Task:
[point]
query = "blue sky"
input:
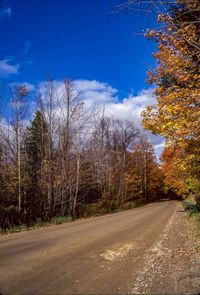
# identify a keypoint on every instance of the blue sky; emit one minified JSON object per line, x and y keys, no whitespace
{"x":75,"y":38}
{"x":106,"y":55}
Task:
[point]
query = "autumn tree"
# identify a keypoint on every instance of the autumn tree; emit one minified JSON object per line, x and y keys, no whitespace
{"x":176,"y":112}
{"x":173,"y":162}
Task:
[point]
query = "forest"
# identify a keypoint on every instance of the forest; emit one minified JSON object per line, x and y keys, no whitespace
{"x":66,"y":160}
{"x":70,"y":161}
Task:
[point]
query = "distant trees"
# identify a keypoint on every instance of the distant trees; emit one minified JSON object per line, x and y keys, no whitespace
{"x":67,"y":160}
{"x":151,"y":179}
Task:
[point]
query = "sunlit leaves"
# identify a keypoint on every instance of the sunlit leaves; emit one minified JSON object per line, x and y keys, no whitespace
{"x":176,"y":115}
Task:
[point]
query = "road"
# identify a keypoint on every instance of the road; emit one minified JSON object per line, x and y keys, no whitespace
{"x":143,"y":250}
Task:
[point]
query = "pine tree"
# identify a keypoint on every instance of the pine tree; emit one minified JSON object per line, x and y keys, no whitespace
{"x":35,"y":150}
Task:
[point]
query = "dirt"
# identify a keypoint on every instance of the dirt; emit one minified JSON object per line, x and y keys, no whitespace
{"x":172,"y":264}
{"x":147,"y":250}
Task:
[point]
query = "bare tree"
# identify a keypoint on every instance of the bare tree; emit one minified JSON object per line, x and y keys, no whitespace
{"x":127,"y":134}
{"x":47,"y":106}
{"x":18,"y":104}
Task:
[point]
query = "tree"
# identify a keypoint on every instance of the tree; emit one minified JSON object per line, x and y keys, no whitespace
{"x":126,"y":133}
{"x":176,"y":113}
{"x":36,"y":137}
{"x":18,"y":116}
{"x":147,"y":169}
{"x":70,"y":128}
{"x":48,"y":107}
{"x":184,"y":13}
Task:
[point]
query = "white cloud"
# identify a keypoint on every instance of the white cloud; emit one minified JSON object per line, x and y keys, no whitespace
{"x":94,"y":85}
{"x":102,"y":95}
{"x":6,"y":12}
{"x":95,"y":92}
{"x":131,"y":107}
{"x":6,"y":68}
{"x":158,"y":143}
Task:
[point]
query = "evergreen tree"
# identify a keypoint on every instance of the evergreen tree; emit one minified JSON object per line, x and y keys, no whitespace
{"x":35,"y":150}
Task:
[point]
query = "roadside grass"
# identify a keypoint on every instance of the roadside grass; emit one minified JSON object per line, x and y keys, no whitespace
{"x":105,"y":207}
{"x":61,"y":219}
{"x":194,"y":215}
{"x":23,"y":227}
{"x":190,"y":208}
{"x":85,"y":211}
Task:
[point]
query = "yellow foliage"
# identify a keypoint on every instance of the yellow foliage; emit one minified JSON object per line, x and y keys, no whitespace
{"x":176,"y":115}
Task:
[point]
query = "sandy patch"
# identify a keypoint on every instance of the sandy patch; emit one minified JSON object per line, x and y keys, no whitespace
{"x":119,"y":253}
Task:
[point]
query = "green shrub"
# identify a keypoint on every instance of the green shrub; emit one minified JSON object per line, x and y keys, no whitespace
{"x":60,"y":219}
{"x":190,"y":207}
{"x":9,"y":217}
{"x":198,"y":202}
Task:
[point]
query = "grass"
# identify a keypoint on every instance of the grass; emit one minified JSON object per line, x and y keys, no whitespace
{"x":96,"y":209}
{"x":23,"y":227}
{"x":190,"y":208}
{"x":194,"y":215}
{"x":61,"y":219}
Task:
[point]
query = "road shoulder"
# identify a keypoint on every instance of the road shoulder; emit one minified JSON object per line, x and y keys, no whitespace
{"x":172,"y":265}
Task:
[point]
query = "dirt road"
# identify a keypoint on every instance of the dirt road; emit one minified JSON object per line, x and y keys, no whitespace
{"x":144,"y":250}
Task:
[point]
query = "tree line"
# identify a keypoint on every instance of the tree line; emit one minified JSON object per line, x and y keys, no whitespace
{"x":67,"y":160}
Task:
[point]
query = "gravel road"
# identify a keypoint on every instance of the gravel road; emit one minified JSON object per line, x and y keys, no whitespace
{"x":144,"y":250}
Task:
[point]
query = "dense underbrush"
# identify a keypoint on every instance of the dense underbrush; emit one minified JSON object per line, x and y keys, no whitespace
{"x":12,"y":221}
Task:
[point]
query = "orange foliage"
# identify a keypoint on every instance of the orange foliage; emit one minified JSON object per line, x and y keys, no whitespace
{"x":177,"y":110}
